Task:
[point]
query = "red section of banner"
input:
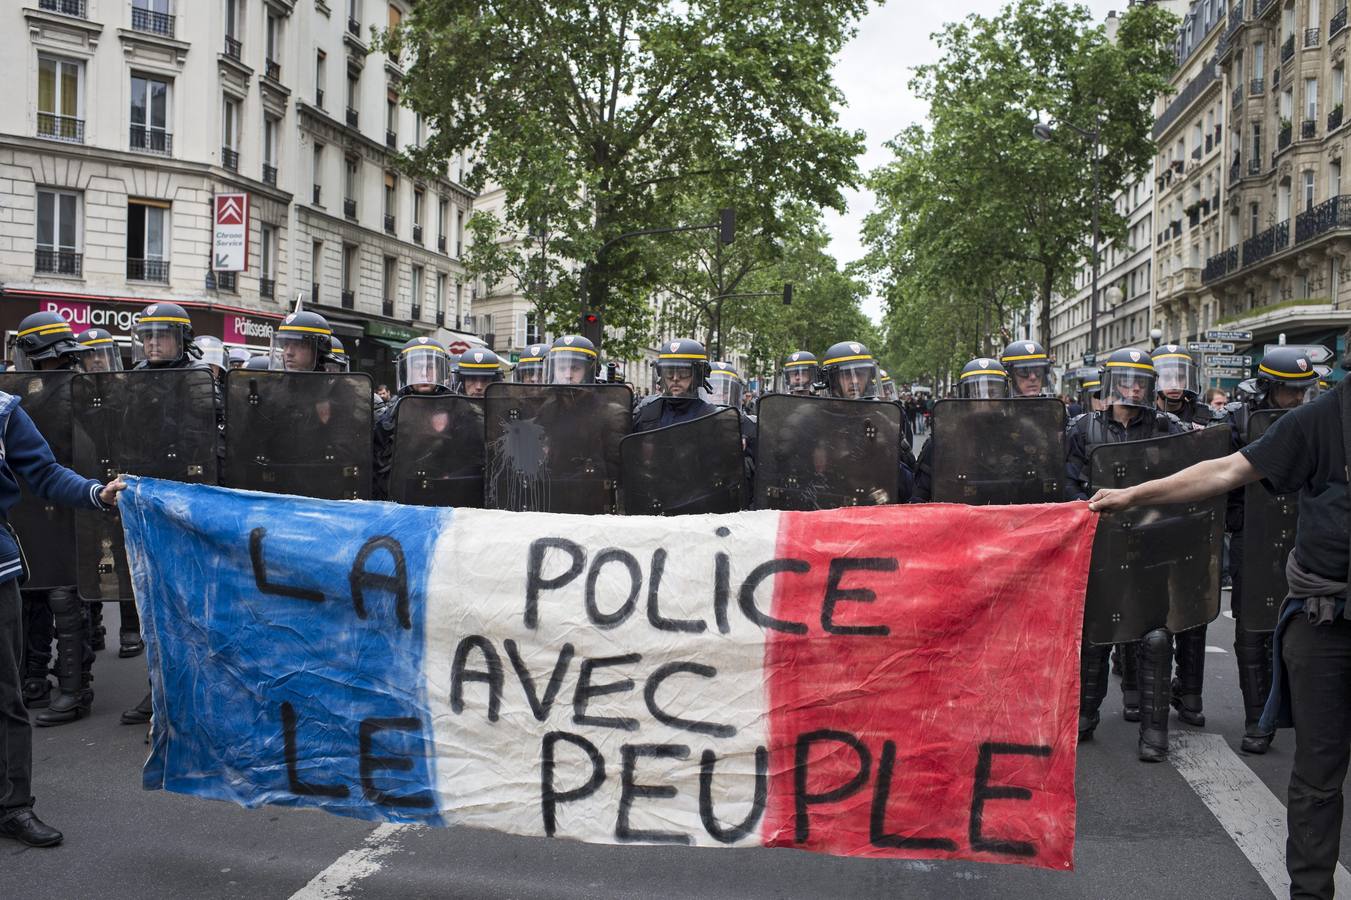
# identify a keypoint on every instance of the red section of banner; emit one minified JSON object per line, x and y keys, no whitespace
{"x":970,"y":751}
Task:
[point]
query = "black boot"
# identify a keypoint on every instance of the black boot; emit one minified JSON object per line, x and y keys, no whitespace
{"x":1130,"y":681}
{"x":1190,"y":653}
{"x":37,"y":693}
{"x":75,"y":697}
{"x":129,"y":635}
{"x":1253,"y":651}
{"x":138,"y":714}
{"x":98,"y":633}
{"x":1156,"y":664}
{"x":1093,"y":667}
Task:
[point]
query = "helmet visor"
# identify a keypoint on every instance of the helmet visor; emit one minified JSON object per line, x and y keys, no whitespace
{"x":529,"y":371}
{"x":724,"y":389}
{"x":156,"y":342}
{"x":294,"y":351}
{"x":983,"y":387}
{"x":213,"y":351}
{"x":799,"y":378}
{"x":425,"y":367}
{"x":571,"y":365}
{"x":1176,"y":372}
{"x":1032,"y":379}
{"x":677,"y":378}
{"x":1126,"y":386}
{"x":854,"y":380}
{"x":101,"y":355}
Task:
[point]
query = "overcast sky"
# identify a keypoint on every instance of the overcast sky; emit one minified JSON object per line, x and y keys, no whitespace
{"x":873,"y":72}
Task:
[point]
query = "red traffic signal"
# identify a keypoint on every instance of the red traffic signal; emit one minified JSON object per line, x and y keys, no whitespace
{"x":591,"y":327}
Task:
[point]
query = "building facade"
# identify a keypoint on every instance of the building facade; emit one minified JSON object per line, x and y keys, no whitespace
{"x":124,"y":119}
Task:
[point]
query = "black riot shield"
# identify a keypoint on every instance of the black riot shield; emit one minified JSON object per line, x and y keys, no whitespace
{"x":690,"y":468}
{"x":820,"y":453}
{"x":1159,"y":565}
{"x":302,"y":433}
{"x":1268,"y":536}
{"x":46,"y":531}
{"x":438,"y":451}
{"x":998,"y":451}
{"x":554,"y":448}
{"x":155,"y":422}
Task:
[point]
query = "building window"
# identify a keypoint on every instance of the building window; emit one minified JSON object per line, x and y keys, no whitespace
{"x":318,"y":172}
{"x":272,"y":33}
{"x":418,"y":198}
{"x":147,"y":246}
{"x":441,"y":297}
{"x":353,"y":96}
{"x":316,"y":267}
{"x":230,"y":134}
{"x":232,"y":26}
{"x":320,"y":64}
{"x":270,"y":150}
{"x":150,"y":115}
{"x":349,"y":267}
{"x":353,"y":180}
{"x":417,"y":292}
{"x":1308,"y":190}
{"x":391,"y":118}
{"x":1259,"y":60}
{"x":1335,"y":178}
{"x":387,"y":283}
{"x":391,"y":200}
{"x":267,"y":249}
{"x":1311,"y":98}
{"x":58,"y":233}
{"x":60,"y":99}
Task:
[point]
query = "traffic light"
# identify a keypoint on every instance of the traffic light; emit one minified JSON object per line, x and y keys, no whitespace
{"x":591,"y":327}
{"x":788,"y":293}
{"x":726,"y":226}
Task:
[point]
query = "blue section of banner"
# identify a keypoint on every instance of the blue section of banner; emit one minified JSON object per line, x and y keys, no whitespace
{"x":285,"y":643}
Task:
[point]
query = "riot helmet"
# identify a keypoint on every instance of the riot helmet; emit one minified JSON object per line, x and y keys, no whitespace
{"x":301,"y":342}
{"x":213,"y":353}
{"x":45,"y":340}
{"x":1128,"y":379}
{"x":1176,"y":374}
{"x":530,"y":367}
{"x":162,"y":336}
{"x":1284,"y":377}
{"x":887,"y":387}
{"x":477,"y":368}
{"x":1029,"y":369}
{"x":724,"y":385}
{"x":681,"y":369}
{"x":983,"y":378}
{"x":849,"y":371}
{"x":261,"y":362}
{"x":336,"y":360}
{"x":572,"y":360}
{"x":239,"y":356}
{"x":799,"y":374}
{"x":423,"y":367}
{"x":103,"y":354}
{"x":1090,"y":391}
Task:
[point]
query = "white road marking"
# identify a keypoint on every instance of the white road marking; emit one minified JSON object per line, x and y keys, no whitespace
{"x":1242,"y":803}
{"x":1227,"y":614}
{"x":360,"y":862}
{"x":1219,"y":650}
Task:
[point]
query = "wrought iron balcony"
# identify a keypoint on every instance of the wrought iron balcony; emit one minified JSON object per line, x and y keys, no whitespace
{"x":1235,"y":172}
{"x":1308,"y":129}
{"x":417,"y":234}
{"x":391,"y":139}
{"x":1331,"y":214}
{"x":233,"y":49}
{"x":61,"y":128}
{"x":441,"y":243}
{"x":1261,"y":7}
{"x":148,"y":270}
{"x":319,"y":97}
{"x":269,"y":174}
{"x":1255,"y":164}
{"x":349,"y":300}
{"x":1338,"y":21}
{"x":151,"y":140}
{"x":1283,"y":137}
{"x":1311,"y":36}
{"x":65,"y":7}
{"x":229,"y":158}
{"x":1256,"y":86}
{"x":314,"y":292}
{"x":389,"y":223}
{"x":1288,"y":49}
{"x":1260,"y":246}
{"x":1210,"y":142}
{"x":1335,"y":118}
{"x":272,"y":70}
{"x":222,"y":281}
{"x":318,"y":191}
{"x":152,"y":22}
{"x":1194,"y":217}
{"x":353,"y":27}
{"x":1220,"y":264}
{"x":58,"y":262}
{"x":1196,"y":152}
{"x":417,"y":311}
{"x":387,"y":307}
{"x":459,"y":249}
{"x":267,"y":288}
{"x":349,"y":208}
{"x":1236,"y":99}
{"x":351,"y":117}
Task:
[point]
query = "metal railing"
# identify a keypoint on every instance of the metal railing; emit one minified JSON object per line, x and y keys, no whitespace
{"x":417,"y":311}
{"x":1235,"y":171}
{"x":229,"y":158}
{"x":319,"y":97}
{"x":267,"y":288}
{"x":1288,"y":49}
{"x":1255,"y":164}
{"x":1335,"y":118}
{"x":349,"y":208}
{"x":391,"y":139}
{"x":233,"y":48}
{"x":441,"y":243}
{"x":1308,"y":129}
{"x":1196,"y":152}
{"x":1256,"y":86}
{"x":353,"y":27}
{"x":65,"y":7}
{"x":61,"y":128}
{"x":318,"y":191}
{"x":387,"y":307}
{"x":152,"y":22}
{"x":351,"y":117}
{"x":1311,"y":36}
{"x":1236,"y":100}
{"x":272,"y":70}
{"x":222,"y":281}
{"x":1220,"y":264}
{"x":269,"y":174}
{"x":148,"y":270}
{"x":1338,"y":21}
{"x":1326,"y":216}
{"x":58,"y":262}
{"x":349,"y":300}
{"x":417,"y":234}
{"x":389,"y":223}
{"x":151,"y":140}
{"x":1260,"y":246}
{"x":1283,"y":137}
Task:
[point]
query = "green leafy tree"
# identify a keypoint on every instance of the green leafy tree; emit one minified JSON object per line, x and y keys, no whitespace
{"x":585,"y":113}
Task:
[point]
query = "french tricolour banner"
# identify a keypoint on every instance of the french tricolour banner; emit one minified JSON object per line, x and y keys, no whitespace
{"x":892,"y":682}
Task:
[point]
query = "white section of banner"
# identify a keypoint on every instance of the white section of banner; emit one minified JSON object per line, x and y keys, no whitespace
{"x":489,"y":774}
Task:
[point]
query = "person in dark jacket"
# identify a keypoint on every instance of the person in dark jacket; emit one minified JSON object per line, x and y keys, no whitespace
{"x":682,"y":370}
{"x":27,"y":457}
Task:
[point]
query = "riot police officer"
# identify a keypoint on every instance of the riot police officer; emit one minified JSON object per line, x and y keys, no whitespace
{"x":162,"y":339}
{"x":213,"y":355}
{"x":301,"y":343}
{"x":1090,"y":394}
{"x":423,"y":368}
{"x":102,"y":354}
{"x":850,"y":372}
{"x":1179,"y":385}
{"x":238,"y":357}
{"x":799,"y":374}
{"x":572,"y":360}
{"x":1128,"y":386}
{"x":724,"y":385}
{"x":982,"y":378}
{"x":259,"y":363}
{"x":336,"y":360}
{"x":475,"y":370}
{"x":681,"y":372}
{"x":887,"y":387}
{"x":530,"y":367}
{"x":1029,"y":368}
{"x":1285,"y":379}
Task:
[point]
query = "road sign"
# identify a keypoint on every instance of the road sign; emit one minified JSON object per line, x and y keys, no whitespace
{"x":1228,"y":361}
{"x":1239,"y":374}
{"x":1090,"y":359}
{"x":1210,"y":347}
{"x":1317,"y":352}
{"x":230,"y":232}
{"x":1238,"y":337}
{"x":515,"y":357}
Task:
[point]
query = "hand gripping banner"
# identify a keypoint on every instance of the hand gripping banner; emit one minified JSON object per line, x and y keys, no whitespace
{"x":895,"y":681}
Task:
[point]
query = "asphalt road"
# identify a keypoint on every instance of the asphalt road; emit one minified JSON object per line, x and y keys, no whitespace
{"x":1143,"y":831}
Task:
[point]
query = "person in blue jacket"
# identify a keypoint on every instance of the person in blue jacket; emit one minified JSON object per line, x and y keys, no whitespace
{"x":24,"y":454}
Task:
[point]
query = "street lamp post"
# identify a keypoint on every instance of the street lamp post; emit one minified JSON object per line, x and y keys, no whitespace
{"x":1043,"y":132}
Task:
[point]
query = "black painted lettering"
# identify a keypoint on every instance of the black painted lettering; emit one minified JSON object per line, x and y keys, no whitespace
{"x":607,"y":621}
{"x":877,"y":819}
{"x":586,"y":691}
{"x":722,"y":590}
{"x":491,"y":676}
{"x":734,"y":833}
{"x":654,"y":683}
{"x":535,"y":582}
{"x":760,"y":573}
{"x":630,"y":790}
{"x":984,"y":792}
{"x":803,"y":799}
{"x":654,"y":616}
{"x":260,"y":573}
{"x":549,"y":795}
{"x":540,"y":706}
{"x":836,"y":595}
{"x":370,"y":763}
{"x":362,"y":580}
{"x":298,"y":787}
